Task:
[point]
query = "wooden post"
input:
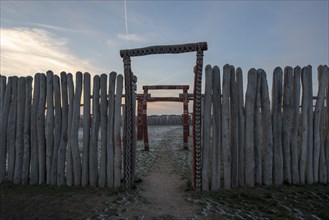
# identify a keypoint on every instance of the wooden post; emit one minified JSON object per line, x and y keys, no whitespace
{"x":64,"y":132}
{"x":145,"y":132}
{"x":305,"y":127}
{"x":69,"y":168}
{"x":93,"y":163}
{"x":327,"y":133}
{"x":277,"y":126}
{"x":258,"y":134}
{"x":19,"y":150}
{"x":286,"y":123}
{"x":134,"y":134}
{"x":267,"y":129}
{"x":117,"y":132}
{"x":139,"y":118}
{"x":34,"y":176}
{"x":241,"y":125}
{"x":206,"y":153}
{"x":11,"y":132}
{"x":110,"y":127}
{"x":103,"y":122}
{"x":41,"y":130}
{"x":27,"y":130}
{"x":186,"y":126}
{"x":234,"y":128}
{"x":226,"y":126}
{"x":75,"y":130}
{"x":57,"y":128}
{"x":310,"y":174}
{"x":217,"y":130}
{"x":294,"y":130}
{"x":250,"y":127}
{"x":86,"y":129}
{"x":318,"y":128}
{"x":49,"y":125}
{"x":3,"y":128}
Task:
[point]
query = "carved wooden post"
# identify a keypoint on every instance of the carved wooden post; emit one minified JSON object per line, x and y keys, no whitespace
{"x":19,"y":150}
{"x":277,"y":126}
{"x":134,"y":141}
{"x":103,"y":122}
{"x":294,"y":130}
{"x":41,"y":130}
{"x":217,"y":131}
{"x":139,"y":118}
{"x":86,"y":129}
{"x":318,"y":128}
{"x":310,"y":150}
{"x":207,"y":129}
{"x":226,"y":147}
{"x":117,"y":132}
{"x":250,"y":127}
{"x":49,"y":125}
{"x":34,"y":176}
{"x":286,"y":123}
{"x":241,"y":125}
{"x":69,"y":169}
{"x":145,"y":132}
{"x":64,"y":132}
{"x":110,"y":139}
{"x":267,"y":152}
{"x":3,"y":128}
{"x":93,"y":162}
{"x":186,"y":126}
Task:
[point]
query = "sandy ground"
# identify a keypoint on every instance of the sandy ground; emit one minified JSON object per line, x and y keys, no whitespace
{"x":163,"y":191}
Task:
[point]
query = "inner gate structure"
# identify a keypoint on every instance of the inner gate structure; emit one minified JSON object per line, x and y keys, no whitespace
{"x":142,"y":132}
{"x":130,"y":100}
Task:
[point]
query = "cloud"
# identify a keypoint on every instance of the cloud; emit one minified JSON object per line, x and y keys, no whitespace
{"x":26,"y":51}
{"x":131,"y":37}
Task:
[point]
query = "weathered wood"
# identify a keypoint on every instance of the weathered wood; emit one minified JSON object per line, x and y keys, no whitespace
{"x":305,"y":127}
{"x":74,"y":142}
{"x":241,"y":125}
{"x":217,"y":129}
{"x":277,"y":126}
{"x":250,"y":127}
{"x":286,"y":122}
{"x":86,"y":129}
{"x":93,"y":163}
{"x":234,"y":128}
{"x":258,"y":134}
{"x":49,"y":125}
{"x":19,"y":150}
{"x":310,"y":175}
{"x":295,"y":122}
{"x":267,"y":152}
{"x":226,"y":148}
{"x":103,"y":115}
{"x":3,"y":128}
{"x":110,"y":126}
{"x":34,"y":176}
{"x":57,"y":128}
{"x":41,"y":130}
{"x":11,"y":132}
{"x":117,"y":132}
{"x":69,"y":167}
{"x":27,"y":130}
{"x":206,"y":152}
{"x":327,"y":133}
{"x":134,"y":134}
{"x":318,"y":128}
{"x":64,"y":132}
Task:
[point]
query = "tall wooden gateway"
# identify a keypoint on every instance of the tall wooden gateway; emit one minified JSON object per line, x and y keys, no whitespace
{"x":130,"y":105}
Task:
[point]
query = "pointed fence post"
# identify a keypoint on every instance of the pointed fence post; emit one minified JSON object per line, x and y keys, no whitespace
{"x":310,"y":150}
{"x":258,"y":134}
{"x":69,"y":166}
{"x":234,"y":129}
{"x":241,"y":125}
{"x":49,"y":125}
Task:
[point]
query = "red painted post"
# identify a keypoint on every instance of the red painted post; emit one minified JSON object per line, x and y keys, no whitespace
{"x":145,"y":132}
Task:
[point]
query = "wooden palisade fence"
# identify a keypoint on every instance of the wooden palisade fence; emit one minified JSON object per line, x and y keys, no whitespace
{"x":39,"y":130}
{"x":263,"y":140}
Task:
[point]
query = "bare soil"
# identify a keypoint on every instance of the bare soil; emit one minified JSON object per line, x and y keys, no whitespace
{"x":162,"y":191}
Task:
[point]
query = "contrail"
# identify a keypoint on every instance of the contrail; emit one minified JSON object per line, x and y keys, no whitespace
{"x":126,"y":20}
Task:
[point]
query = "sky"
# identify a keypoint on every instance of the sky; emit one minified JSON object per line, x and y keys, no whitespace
{"x":87,"y":36}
